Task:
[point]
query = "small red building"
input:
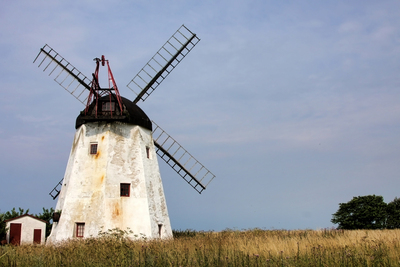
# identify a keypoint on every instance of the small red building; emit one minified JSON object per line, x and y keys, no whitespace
{"x":26,"y":229}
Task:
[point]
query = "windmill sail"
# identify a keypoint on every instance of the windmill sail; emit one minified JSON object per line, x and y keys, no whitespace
{"x":67,"y":75}
{"x":56,"y":190}
{"x":189,"y":168}
{"x":162,"y":63}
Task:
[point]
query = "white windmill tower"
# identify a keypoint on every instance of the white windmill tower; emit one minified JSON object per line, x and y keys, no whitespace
{"x":112,"y":179}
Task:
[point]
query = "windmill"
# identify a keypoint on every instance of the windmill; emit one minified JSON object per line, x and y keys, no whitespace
{"x":112,"y":179}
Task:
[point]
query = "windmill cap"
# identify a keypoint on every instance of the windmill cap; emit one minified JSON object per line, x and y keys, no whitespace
{"x":132,"y":114}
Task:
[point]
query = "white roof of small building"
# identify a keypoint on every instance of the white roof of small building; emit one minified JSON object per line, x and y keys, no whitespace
{"x":25,"y":215}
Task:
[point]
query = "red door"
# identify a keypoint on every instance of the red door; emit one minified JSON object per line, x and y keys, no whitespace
{"x":37,"y":236}
{"x":15,"y":233}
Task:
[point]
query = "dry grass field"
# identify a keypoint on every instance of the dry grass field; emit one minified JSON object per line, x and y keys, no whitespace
{"x":253,"y":247}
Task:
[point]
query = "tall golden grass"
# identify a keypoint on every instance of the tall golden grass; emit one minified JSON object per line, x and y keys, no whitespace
{"x":253,"y":247}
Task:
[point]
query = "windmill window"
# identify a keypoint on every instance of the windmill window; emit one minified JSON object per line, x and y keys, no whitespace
{"x":108,"y":106}
{"x":80,"y":229}
{"x":125,"y":190}
{"x":159,"y":230}
{"x":93,"y":148}
{"x":148,"y":152}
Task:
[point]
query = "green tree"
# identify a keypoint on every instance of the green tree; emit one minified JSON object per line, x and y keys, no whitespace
{"x":362,"y":212}
{"x":393,"y":214}
{"x":47,"y":216}
{"x":13,"y":213}
{"x":3,"y":229}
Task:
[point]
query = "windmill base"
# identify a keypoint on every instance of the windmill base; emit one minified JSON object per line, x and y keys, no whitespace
{"x":112,"y":181}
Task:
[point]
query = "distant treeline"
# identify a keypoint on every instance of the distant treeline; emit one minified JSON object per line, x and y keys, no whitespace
{"x":368,"y":212}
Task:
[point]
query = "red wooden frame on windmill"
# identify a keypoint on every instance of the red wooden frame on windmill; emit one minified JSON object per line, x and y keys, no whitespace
{"x":96,"y":92}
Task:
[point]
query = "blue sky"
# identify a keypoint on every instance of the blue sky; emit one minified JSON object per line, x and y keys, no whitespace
{"x":294,"y":106}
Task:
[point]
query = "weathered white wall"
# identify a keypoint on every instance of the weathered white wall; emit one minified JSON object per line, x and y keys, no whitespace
{"x":91,"y":188}
{"x":27,"y":227}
